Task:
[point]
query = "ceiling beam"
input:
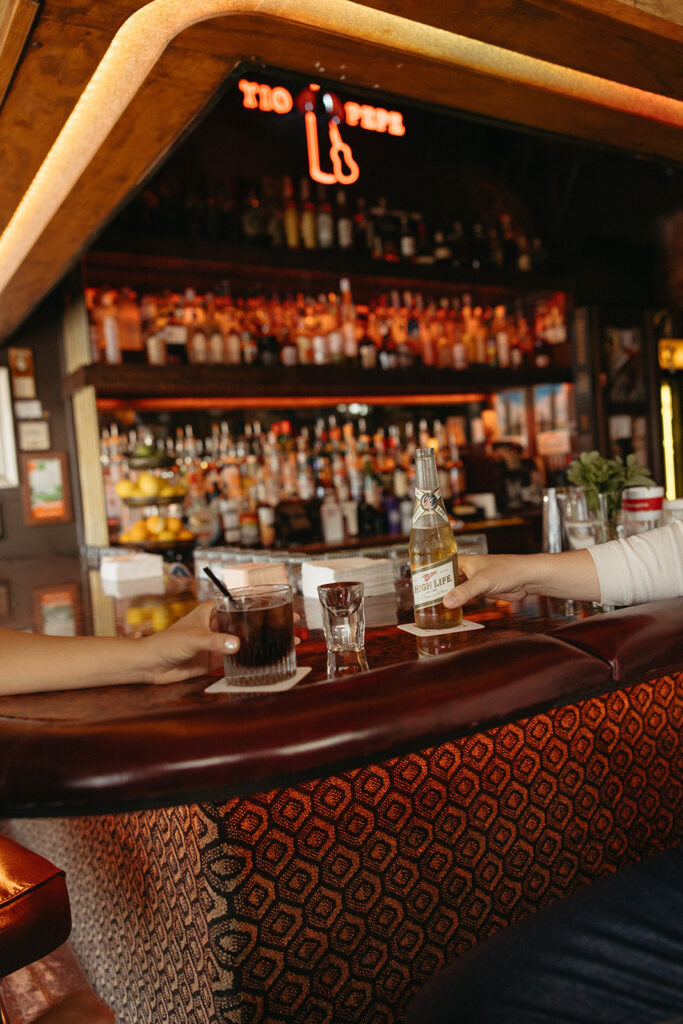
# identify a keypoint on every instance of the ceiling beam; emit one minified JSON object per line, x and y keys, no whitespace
{"x":150,"y":87}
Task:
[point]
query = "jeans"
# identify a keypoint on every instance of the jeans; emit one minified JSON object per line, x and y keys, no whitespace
{"x":609,"y":954}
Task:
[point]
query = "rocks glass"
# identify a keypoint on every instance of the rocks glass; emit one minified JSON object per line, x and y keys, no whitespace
{"x":263,"y":619}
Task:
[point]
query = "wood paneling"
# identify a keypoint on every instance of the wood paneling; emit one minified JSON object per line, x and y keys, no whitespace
{"x":607,"y":38}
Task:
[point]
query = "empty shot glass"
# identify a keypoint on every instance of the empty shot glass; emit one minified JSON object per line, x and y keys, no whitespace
{"x":263,"y":619}
{"x":343,"y":616}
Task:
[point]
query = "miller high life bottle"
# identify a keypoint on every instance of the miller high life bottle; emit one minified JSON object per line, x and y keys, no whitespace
{"x":433,"y":550}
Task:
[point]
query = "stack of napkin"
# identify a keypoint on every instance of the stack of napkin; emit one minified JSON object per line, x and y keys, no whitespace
{"x":131,"y":566}
{"x":376,"y":574}
{"x":249,"y":574}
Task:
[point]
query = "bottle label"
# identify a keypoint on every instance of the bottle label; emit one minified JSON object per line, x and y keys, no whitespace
{"x":432,"y":582}
{"x":426,"y":502}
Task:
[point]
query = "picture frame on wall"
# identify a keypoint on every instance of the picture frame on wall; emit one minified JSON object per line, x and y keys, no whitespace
{"x":45,"y":488}
{"x":56,"y":609}
{"x":9,"y":474}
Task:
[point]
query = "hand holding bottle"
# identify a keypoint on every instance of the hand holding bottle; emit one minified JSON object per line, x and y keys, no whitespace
{"x":569,"y":574}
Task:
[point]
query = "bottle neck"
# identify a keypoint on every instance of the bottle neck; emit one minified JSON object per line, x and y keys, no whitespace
{"x":426,"y":478}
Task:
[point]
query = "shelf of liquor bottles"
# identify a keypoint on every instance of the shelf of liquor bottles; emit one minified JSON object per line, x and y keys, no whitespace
{"x":223,"y":387}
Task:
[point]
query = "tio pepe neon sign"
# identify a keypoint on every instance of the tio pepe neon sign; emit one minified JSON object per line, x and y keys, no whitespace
{"x":279,"y":100}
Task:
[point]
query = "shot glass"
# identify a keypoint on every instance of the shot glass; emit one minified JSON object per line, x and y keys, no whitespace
{"x":343,"y":615}
{"x":263,"y":619}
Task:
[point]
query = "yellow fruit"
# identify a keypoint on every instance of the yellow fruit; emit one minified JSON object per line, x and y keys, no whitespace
{"x":149,"y":485}
{"x":166,"y":535}
{"x":138,"y":531}
{"x":174,"y":524}
{"x":179,"y":490}
{"x":125,"y":488}
{"x":186,"y":535}
{"x":135,"y":615}
{"x":125,"y":537}
{"x":155,"y":524}
{"x":167,"y":491}
{"x":161,"y":618}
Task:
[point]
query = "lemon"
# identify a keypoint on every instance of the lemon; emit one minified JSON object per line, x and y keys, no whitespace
{"x":166,"y":535}
{"x":161,"y":618}
{"x":174,"y":524}
{"x":138,"y":531}
{"x":125,"y":488}
{"x":186,"y":535}
{"x":167,"y":491}
{"x":149,"y":485}
{"x":155,"y":524}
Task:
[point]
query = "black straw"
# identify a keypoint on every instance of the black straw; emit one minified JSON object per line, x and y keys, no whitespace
{"x":219,"y":583}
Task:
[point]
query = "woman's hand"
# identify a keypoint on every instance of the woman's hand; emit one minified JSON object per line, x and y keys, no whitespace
{"x":568,"y":574}
{"x":192,"y":646}
{"x":501,"y":576}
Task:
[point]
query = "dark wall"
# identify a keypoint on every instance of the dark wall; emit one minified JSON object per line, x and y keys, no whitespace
{"x":41,"y":334}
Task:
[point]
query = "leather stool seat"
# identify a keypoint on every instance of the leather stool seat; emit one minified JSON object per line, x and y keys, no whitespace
{"x":35,"y":915}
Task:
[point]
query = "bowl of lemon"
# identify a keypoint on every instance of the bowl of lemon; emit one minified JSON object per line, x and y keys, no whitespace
{"x":149,"y":489}
{"x":157,"y":531}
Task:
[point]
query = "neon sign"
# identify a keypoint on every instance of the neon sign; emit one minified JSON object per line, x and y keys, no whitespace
{"x":279,"y":100}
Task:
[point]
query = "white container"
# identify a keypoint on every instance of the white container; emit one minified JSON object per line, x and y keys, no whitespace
{"x":641,"y":509}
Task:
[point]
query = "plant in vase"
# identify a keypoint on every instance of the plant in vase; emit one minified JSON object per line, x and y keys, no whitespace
{"x":604,"y":481}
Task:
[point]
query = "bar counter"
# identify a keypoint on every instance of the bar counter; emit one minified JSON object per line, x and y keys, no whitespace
{"x":315,"y":855}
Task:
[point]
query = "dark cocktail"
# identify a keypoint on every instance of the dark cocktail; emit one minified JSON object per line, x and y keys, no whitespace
{"x":262,"y":618}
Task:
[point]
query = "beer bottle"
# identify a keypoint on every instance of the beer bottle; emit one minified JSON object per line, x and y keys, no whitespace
{"x":433,"y":550}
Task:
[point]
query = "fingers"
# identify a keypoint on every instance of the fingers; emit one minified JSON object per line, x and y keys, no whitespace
{"x":231,"y":643}
{"x":464,"y":592}
{"x":474,"y":585}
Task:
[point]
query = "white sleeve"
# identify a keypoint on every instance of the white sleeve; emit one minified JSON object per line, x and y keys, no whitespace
{"x":646,"y":567}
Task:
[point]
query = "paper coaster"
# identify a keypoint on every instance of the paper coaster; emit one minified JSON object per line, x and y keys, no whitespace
{"x":410,"y":627}
{"x":222,"y":685}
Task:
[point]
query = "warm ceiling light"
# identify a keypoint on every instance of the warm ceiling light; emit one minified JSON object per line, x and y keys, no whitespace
{"x":141,"y":40}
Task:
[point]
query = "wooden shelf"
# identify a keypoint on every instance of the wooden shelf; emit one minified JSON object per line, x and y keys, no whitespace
{"x":211,"y":386}
{"x":133,"y":259}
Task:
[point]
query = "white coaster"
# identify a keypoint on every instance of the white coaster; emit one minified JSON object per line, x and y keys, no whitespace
{"x":222,"y":685}
{"x":410,"y":627}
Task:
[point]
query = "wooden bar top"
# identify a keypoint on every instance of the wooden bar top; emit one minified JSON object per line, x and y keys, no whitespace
{"x":131,"y":747}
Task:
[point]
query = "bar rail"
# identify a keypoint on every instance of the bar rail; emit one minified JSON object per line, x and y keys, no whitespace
{"x":213,"y":749}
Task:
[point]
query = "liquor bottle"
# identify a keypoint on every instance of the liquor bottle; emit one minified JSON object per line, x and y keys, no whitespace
{"x":110,"y":328}
{"x":387,"y":228}
{"x":348,"y":322}
{"x":433,"y":550}
{"x":269,"y":350}
{"x":408,"y":242}
{"x":307,"y":216}
{"x":289,"y":353}
{"x":324,"y":221}
{"x":367,"y":347}
{"x":332,"y":518}
{"x":130,"y":327}
{"x":216,"y":341}
{"x":344,"y":222}
{"x":291,"y":215}
{"x":175,"y":333}
{"x":253,"y":221}
{"x":499,"y":329}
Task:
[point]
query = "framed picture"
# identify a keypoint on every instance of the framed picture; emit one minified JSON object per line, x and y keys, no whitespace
{"x":33,"y":435}
{"x":9,"y":477}
{"x":45,"y":488}
{"x":56,"y":609}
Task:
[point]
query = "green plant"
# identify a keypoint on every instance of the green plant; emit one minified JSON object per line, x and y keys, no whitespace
{"x":609,"y":477}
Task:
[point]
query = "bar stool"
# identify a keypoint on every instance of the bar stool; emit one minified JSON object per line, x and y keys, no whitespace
{"x":35,"y":918}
